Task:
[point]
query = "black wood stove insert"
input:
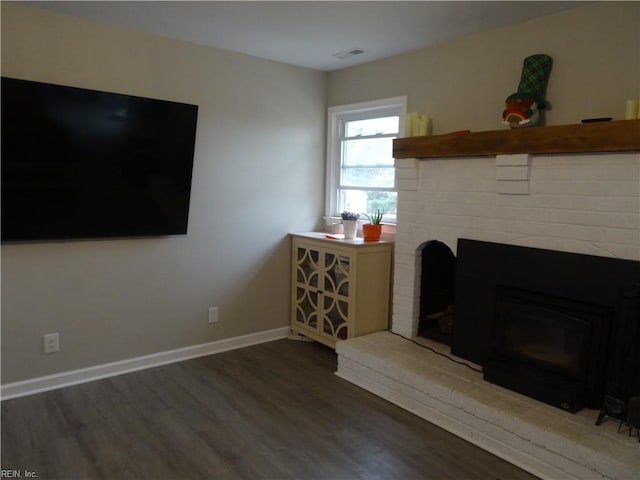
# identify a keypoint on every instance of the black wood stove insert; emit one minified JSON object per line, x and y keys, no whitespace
{"x":549,"y":348}
{"x":559,"y":327}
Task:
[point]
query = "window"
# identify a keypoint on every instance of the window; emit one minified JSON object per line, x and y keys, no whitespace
{"x":360,"y":169}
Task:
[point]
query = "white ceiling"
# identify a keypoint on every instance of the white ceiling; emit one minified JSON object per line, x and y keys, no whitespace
{"x":308,"y":33}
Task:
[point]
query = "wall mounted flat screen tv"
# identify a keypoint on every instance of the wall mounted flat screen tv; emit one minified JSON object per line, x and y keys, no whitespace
{"x":81,"y":164}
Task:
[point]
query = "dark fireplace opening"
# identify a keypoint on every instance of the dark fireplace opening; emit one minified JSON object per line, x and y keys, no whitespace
{"x":561,"y":327}
{"x":560,"y":342}
{"x":437,"y":290}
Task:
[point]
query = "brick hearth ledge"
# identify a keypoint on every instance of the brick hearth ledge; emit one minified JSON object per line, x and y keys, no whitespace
{"x":541,"y":439}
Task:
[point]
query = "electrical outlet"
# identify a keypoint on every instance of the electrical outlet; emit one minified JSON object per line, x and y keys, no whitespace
{"x":51,"y":343}
{"x":213,"y":314}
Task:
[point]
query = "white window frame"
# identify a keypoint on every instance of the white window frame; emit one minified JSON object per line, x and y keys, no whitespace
{"x":355,"y":111}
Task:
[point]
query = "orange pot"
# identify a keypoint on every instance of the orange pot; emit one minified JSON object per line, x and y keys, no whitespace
{"x":371,"y":233}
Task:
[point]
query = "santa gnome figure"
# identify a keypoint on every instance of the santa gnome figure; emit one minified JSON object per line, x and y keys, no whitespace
{"x":522,"y":107}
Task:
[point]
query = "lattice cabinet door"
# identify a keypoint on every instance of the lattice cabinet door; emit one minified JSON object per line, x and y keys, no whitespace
{"x":306,"y":277}
{"x":335,"y":301}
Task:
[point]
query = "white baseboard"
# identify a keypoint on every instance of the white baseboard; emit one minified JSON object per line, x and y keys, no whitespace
{"x":74,"y":377}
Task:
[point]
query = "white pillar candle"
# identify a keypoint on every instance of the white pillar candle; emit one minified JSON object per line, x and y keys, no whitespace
{"x":631,"y":110}
{"x":415,"y":125}
{"x":408,"y":124}
{"x":424,"y":120}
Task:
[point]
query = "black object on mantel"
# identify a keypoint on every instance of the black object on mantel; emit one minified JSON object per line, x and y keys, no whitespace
{"x":595,"y":120}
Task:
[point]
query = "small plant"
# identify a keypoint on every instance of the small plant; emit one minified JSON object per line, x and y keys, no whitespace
{"x":350,"y":215}
{"x":375,"y":218}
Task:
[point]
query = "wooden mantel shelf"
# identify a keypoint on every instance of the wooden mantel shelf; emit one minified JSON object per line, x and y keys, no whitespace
{"x":618,"y":136}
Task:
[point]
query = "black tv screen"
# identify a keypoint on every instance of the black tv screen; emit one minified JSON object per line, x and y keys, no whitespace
{"x":80,"y":164}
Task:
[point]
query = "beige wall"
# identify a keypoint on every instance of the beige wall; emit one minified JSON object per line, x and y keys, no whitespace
{"x":259,"y":161}
{"x":463,"y":84}
{"x":258,"y":170}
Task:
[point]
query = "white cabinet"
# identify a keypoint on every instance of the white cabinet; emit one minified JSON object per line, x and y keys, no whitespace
{"x":339,"y":288}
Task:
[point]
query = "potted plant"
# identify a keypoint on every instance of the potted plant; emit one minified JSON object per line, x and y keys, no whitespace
{"x":350,"y":224}
{"x":371,"y":231}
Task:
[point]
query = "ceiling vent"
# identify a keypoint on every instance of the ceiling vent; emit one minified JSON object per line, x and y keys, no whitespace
{"x":348,"y":53}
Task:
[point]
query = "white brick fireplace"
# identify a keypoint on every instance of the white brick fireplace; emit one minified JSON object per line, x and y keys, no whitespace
{"x":585,"y":203}
{"x":580,"y":203}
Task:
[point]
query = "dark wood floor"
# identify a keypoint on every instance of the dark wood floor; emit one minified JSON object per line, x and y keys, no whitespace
{"x":272,"y":411}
